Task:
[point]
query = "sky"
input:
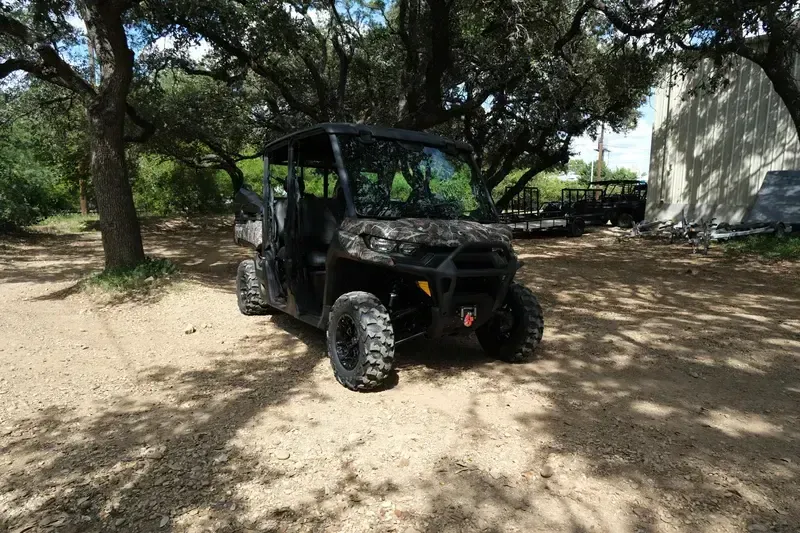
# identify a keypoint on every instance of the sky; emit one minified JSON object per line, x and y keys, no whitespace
{"x":630,"y":150}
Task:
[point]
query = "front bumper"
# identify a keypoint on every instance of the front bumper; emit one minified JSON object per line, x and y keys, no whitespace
{"x":474,"y":275}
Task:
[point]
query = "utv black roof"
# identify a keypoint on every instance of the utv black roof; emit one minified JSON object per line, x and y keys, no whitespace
{"x":365,"y":130}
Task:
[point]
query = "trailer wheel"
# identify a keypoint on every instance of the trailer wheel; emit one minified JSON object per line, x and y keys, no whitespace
{"x":248,"y":290}
{"x":576,"y":227}
{"x":516,"y":329}
{"x":625,"y":220}
{"x":360,"y":341}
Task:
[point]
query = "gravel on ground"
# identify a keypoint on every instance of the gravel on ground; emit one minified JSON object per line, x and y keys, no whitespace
{"x":665,"y":400}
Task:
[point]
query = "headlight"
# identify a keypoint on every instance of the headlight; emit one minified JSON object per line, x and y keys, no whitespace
{"x":383,"y":246}
{"x":408,"y":248}
{"x":386,"y":246}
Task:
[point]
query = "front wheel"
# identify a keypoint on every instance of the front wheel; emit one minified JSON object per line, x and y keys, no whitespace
{"x":516,"y":329}
{"x":360,"y":341}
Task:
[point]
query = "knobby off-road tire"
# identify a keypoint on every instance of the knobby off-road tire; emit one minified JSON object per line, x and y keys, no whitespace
{"x":515,"y":342}
{"x":625,"y":220}
{"x":248,"y":293}
{"x":576,"y":228}
{"x":360,"y":341}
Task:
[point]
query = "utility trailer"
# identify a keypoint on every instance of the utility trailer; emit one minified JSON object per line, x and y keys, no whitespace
{"x":621,"y":202}
{"x":587,"y":204}
{"x":525,"y":215}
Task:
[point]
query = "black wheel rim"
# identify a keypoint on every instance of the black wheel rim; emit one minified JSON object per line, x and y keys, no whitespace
{"x":504,"y":323}
{"x":347,"y":342}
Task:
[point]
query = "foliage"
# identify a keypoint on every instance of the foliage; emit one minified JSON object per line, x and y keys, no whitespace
{"x":511,"y":78}
{"x":587,"y":173}
{"x":204,"y":123}
{"x":167,"y":187}
{"x":31,"y":184}
{"x":767,"y":247}
{"x":26,"y":195}
{"x":552,"y":182}
{"x":492,"y":75}
{"x":548,"y":183}
{"x":134,"y":279}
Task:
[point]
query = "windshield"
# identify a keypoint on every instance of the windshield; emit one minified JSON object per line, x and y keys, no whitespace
{"x":397,"y":179}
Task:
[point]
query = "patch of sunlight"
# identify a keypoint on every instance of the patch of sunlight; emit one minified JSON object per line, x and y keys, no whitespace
{"x":604,"y":389}
{"x":616,"y":317}
{"x":710,"y":318}
{"x":783,"y":343}
{"x":754,"y":318}
{"x":670,"y":346}
{"x":555,"y":335}
{"x":792,"y":325}
{"x":652,"y":409}
{"x":740,"y":424}
{"x":545,"y":367}
{"x":694,"y":295}
{"x":630,"y":302}
{"x":741,"y":365}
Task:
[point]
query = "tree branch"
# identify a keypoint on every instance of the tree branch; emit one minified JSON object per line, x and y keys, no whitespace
{"x":147,"y":127}
{"x":52,"y":66}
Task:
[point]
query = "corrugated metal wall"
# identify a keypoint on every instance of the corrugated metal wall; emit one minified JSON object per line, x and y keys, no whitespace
{"x":711,"y":152}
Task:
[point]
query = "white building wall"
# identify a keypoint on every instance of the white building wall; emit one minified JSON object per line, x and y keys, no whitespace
{"x":711,"y":152}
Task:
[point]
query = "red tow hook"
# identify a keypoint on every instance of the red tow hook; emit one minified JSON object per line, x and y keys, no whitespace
{"x":469,"y":318}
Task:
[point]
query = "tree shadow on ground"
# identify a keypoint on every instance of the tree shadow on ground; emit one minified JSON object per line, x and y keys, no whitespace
{"x":142,"y":464}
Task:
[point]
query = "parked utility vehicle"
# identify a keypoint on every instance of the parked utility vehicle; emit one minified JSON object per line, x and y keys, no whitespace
{"x":379,"y":236}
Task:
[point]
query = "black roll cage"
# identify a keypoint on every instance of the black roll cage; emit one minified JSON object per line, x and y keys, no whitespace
{"x":332,"y":131}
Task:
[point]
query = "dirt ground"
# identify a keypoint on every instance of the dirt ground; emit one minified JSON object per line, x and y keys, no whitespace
{"x":665,"y":400}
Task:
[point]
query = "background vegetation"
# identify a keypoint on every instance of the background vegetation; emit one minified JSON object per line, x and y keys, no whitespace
{"x":134,"y":105}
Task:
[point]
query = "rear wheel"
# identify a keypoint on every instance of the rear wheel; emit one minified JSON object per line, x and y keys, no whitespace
{"x":625,"y":220}
{"x":248,"y":290}
{"x":516,"y":329}
{"x":360,"y":341}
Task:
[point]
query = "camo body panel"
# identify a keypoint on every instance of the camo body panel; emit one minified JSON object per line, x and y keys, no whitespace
{"x":432,"y":232}
{"x":249,"y":233}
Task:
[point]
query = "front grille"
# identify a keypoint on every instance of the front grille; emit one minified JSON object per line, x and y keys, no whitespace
{"x":476,"y":285}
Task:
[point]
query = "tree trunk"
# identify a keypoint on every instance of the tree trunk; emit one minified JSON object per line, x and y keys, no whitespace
{"x":515,"y":189}
{"x":779,"y":72}
{"x":122,"y":238}
{"x":84,"y":202}
{"x":119,"y":225}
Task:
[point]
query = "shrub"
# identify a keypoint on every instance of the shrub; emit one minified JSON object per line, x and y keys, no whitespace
{"x":27,"y":194}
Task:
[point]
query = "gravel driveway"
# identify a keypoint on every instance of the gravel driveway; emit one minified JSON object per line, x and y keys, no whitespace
{"x":665,"y":400}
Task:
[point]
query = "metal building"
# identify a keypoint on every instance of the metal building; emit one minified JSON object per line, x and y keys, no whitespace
{"x":711,"y":152}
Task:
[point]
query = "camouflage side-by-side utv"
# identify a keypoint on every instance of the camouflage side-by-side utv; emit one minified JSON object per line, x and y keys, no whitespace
{"x":379,"y":236}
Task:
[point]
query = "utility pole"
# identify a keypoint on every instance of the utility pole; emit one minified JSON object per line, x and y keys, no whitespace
{"x":600,"y":151}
